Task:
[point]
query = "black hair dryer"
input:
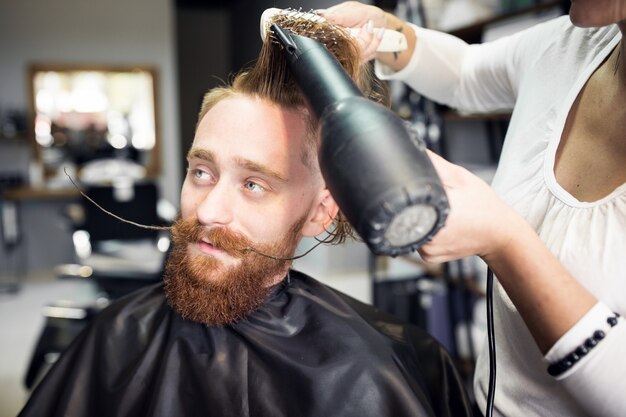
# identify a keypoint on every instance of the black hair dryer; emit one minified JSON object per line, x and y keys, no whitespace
{"x":385,"y":185}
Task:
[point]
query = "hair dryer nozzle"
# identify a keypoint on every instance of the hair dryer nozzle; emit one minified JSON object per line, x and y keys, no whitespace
{"x":385,"y":185}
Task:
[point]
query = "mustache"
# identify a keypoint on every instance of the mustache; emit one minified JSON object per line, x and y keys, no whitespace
{"x":235,"y":244}
{"x":191,"y":230}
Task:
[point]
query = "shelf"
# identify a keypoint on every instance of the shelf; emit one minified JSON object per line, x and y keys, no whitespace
{"x":451,"y":116}
{"x":30,"y":193}
{"x":14,"y":139}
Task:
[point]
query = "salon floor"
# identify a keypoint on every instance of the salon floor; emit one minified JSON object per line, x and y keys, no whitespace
{"x":21,"y":322}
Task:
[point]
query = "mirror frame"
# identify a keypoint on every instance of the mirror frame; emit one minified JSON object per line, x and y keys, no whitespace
{"x":153,"y":168}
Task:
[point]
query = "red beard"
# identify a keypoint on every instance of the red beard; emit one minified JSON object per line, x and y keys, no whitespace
{"x":232,"y":292}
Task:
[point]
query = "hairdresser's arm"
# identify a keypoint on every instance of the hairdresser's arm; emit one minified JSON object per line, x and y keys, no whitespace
{"x":472,"y":78}
{"x":432,"y":64}
{"x":559,"y":312}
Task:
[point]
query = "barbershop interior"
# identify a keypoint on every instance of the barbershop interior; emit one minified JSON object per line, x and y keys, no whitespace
{"x":99,"y":105}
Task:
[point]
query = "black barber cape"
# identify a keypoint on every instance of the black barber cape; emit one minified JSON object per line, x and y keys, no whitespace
{"x":308,"y":351}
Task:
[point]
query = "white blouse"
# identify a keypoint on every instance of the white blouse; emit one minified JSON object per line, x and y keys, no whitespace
{"x":539,"y":73}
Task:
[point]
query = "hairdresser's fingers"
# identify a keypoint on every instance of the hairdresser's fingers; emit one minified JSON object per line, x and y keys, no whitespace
{"x":343,"y":16}
{"x":369,"y":52}
{"x":449,"y":243}
{"x":352,"y":14}
{"x":443,"y":246}
{"x":478,"y":223}
{"x":449,"y":173}
{"x":369,"y":39}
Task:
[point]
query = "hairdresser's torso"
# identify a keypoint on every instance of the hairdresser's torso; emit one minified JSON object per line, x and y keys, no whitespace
{"x":562,"y":168}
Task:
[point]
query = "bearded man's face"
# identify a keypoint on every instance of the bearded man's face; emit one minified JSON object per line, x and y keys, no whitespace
{"x":252,"y":182}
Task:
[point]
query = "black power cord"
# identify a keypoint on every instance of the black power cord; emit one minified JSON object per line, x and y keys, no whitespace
{"x":491,"y":340}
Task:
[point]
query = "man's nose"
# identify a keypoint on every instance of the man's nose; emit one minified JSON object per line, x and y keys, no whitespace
{"x":216,"y":208}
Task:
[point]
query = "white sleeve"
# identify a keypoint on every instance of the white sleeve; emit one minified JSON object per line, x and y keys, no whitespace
{"x":471,"y":78}
{"x":435,"y":66}
{"x":597,"y":380}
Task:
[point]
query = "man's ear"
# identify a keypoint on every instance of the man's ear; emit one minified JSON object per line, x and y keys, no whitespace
{"x":322,"y":214}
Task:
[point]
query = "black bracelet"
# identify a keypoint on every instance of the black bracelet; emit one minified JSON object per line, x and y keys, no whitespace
{"x":559,"y":367}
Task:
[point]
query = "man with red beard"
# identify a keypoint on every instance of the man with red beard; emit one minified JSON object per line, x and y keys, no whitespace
{"x":233,"y":331}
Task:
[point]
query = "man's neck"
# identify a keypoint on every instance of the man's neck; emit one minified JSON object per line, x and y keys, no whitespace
{"x":279,"y":277}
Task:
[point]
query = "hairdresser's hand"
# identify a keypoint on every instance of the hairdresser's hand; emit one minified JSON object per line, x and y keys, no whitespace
{"x":479,"y":222}
{"x":352,"y":14}
{"x":546,"y":295}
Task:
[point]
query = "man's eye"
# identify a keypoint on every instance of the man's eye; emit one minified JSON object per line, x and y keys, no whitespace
{"x":200,"y":174}
{"x":254,"y":187}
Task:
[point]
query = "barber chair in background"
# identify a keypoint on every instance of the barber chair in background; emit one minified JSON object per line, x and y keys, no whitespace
{"x":118,"y":257}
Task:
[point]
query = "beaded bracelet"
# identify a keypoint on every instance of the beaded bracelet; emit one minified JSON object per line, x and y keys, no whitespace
{"x":567,"y":362}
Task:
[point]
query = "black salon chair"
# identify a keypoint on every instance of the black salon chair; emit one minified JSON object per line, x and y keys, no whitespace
{"x":63,"y":323}
{"x":120,"y":257}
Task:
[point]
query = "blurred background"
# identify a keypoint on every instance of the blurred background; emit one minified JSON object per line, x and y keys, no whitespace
{"x":108,"y":93}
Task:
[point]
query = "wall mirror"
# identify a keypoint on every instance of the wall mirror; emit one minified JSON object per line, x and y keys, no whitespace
{"x":82,"y":114}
